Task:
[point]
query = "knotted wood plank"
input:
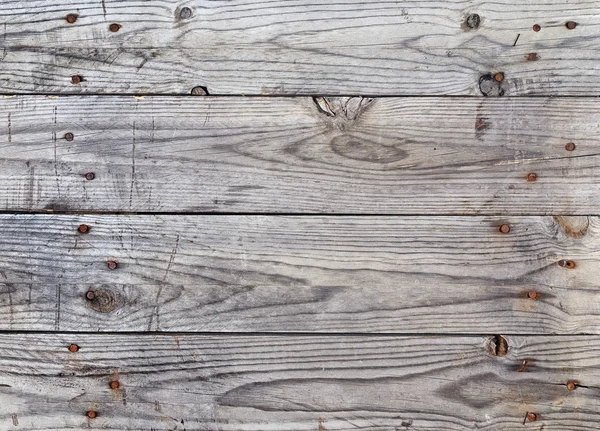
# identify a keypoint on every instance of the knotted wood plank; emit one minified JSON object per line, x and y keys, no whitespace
{"x":307,"y":274}
{"x":299,"y":155}
{"x":297,"y":383}
{"x":300,"y":47}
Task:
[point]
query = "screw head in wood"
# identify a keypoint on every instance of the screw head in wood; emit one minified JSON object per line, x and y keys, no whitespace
{"x":114,"y":27}
{"x":569,"y":264}
{"x":570,"y":146}
{"x":504,"y":228}
{"x":69,"y":136}
{"x":83,"y":228}
{"x":185,"y":13}
{"x":536,"y":27}
{"x":91,"y":414}
{"x":533,"y":295}
{"x":111,"y":264}
{"x":499,"y":76}
{"x":76,"y":79}
{"x":90,"y":176}
{"x":531,"y":177}
{"x":73,"y":348}
{"x":571,"y":385}
{"x":571,"y":25}
{"x":114,"y":384}
{"x":90,"y":295}
{"x":532,"y":417}
{"x":71,"y":18}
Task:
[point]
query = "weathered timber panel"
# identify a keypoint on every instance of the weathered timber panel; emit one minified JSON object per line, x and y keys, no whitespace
{"x":280,"y":273}
{"x":301,"y":47}
{"x":284,"y":155}
{"x":195,"y":382}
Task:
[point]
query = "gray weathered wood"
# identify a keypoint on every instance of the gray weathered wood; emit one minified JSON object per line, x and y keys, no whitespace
{"x":192,"y":382}
{"x":300,"y":47}
{"x":317,"y":274}
{"x":298,"y":155}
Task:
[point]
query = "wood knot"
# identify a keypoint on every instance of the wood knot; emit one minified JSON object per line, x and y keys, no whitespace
{"x":344,"y":108}
{"x":103,"y":301}
{"x":491,"y":85}
{"x":498,"y":346}
{"x":573,"y":226}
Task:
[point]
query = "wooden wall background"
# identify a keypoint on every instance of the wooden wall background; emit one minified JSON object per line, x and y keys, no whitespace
{"x":299,"y":215}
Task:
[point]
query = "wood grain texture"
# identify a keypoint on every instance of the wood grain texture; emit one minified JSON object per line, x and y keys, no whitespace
{"x":300,"y":47}
{"x":209,"y":383}
{"x":299,"y":155}
{"x":313,"y":274}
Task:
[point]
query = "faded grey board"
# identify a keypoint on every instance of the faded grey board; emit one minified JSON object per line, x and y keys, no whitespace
{"x":314,"y":274}
{"x":209,"y":383}
{"x":299,"y":155}
{"x":300,"y":47}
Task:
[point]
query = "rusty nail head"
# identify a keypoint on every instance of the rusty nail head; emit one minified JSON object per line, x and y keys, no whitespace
{"x":504,"y":228}
{"x":112,"y":264}
{"x":533,"y":295}
{"x":570,"y":146}
{"x":571,"y":25}
{"x":76,"y":79}
{"x":532,"y":417}
{"x":83,"y":228}
{"x":71,"y":18}
{"x":90,"y":295}
{"x":69,"y":136}
{"x":185,"y":13}
{"x":569,"y":264}
{"x":91,"y":414}
{"x":114,"y":27}
{"x":114,"y":384}
{"x":571,"y":385}
{"x":73,"y":348}
{"x":536,"y":27}
{"x":90,"y":176}
{"x":499,"y":76}
{"x":531,"y":177}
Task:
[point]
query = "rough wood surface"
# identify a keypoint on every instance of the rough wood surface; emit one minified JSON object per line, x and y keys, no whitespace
{"x":278,"y":273}
{"x":301,"y":47}
{"x":193,"y":382}
{"x":299,"y":155}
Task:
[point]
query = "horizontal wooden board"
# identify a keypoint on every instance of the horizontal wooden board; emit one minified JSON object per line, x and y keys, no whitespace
{"x":299,"y":155}
{"x":192,"y":382}
{"x":313,"y":274}
{"x":301,"y":47}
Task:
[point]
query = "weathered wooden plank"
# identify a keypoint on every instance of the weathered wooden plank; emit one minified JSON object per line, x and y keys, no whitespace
{"x":298,"y":155}
{"x":345,"y":383}
{"x":313,"y":274}
{"x":301,"y":47}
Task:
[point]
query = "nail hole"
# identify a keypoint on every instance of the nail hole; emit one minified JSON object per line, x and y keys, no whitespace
{"x":569,"y":264}
{"x":90,"y":176}
{"x":571,"y":25}
{"x":76,"y":79}
{"x":111,"y":264}
{"x":90,"y":295}
{"x":536,"y":27}
{"x":69,"y":136}
{"x":114,"y":27}
{"x":570,"y":146}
